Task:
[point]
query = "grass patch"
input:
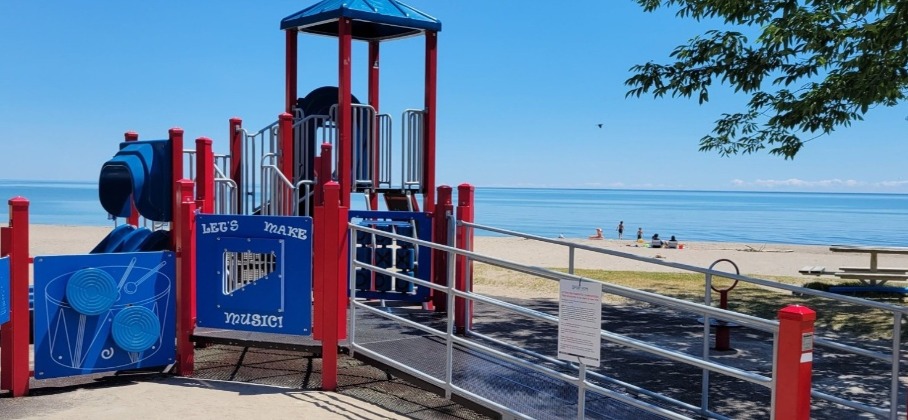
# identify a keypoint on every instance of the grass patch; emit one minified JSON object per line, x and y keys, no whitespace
{"x":763,"y":302}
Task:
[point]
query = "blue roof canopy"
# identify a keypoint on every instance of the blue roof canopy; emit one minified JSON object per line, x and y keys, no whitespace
{"x":372,"y":19}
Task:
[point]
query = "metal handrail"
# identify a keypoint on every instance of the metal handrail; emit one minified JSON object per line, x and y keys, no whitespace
{"x":412,"y":144}
{"x":301,"y":127}
{"x":277,"y":189}
{"x":612,"y":337}
{"x":893,"y":357}
{"x":731,"y":276}
{"x":255,"y":147}
{"x":385,"y":149}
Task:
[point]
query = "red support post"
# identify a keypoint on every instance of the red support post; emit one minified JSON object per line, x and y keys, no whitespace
{"x":440,"y":236}
{"x":14,"y":371}
{"x":285,"y":132}
{"x":133,"y":218}
{"x":236,"y":159}
{"x":463,"y":311}
{"x":431,"y":115}
{"x":290,"y":52}
{"x":794,"y":363}
{"x":176,"y":166}
{"x":204,"y":163}
{"x":331,"y":282}
{"x":184,"y":232}
{"x":373,"y":101}
{"x":344,"y":118}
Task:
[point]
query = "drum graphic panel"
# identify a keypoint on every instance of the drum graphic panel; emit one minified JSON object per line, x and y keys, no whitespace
{"x":104,"y":312}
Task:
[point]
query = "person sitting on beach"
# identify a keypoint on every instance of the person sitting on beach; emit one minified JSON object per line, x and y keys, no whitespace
{"x":598,"y":234}
{"x":672,"y":243}
{"x":656,"y":242}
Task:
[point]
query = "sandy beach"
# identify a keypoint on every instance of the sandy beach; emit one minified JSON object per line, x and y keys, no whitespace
{"x":751,"y":258}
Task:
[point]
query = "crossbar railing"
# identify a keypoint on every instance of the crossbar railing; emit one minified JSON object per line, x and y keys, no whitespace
{"x":893,"y":356}
{"x":571,"y":378}
{"x":412,"y":145}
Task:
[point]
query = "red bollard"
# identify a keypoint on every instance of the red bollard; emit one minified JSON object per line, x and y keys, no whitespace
{"x":463,"y":311}
{"x":14,"y":370}
{"x":794,"y":363}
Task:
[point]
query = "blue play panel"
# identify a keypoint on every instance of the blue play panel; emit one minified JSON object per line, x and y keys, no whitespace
{"x":4,"y":290}
{"x":396,"y":255}
{"x":104,"y":312}
{"x":254,"y":273}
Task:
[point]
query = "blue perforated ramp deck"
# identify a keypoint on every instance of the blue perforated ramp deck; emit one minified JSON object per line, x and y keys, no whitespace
{"x":509,"y":384}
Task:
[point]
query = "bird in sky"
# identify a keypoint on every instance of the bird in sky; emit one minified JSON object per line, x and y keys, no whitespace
{"x":600,"y":125}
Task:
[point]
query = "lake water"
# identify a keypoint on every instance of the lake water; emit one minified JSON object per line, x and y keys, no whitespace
{"x":722,"y":216}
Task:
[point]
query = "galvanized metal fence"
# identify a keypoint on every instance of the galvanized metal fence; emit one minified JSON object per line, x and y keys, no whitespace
{"x":578,"y":386}
{"x":871,"y":401}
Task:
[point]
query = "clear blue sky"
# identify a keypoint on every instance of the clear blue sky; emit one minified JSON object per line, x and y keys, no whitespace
{"x":522,"y":87}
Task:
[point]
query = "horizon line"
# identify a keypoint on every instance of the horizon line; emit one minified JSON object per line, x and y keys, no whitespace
{"x":584,"y":188}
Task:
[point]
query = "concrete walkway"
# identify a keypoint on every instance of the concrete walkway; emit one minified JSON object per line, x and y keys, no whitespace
{"x":185,"y":398}
{"x":260,"y":383}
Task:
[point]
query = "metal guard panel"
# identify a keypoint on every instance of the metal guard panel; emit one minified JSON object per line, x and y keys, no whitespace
{"x":4,"y":290}
{"x":254,"y":273}
{"x":69,"y":342}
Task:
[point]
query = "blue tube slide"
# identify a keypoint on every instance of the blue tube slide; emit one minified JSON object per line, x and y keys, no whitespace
{"x":140,"y":174}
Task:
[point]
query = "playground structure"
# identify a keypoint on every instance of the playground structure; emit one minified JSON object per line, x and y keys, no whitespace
{"x":263,"y":240}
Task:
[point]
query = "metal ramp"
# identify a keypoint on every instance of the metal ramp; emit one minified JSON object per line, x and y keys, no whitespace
{"x":519,"y":388}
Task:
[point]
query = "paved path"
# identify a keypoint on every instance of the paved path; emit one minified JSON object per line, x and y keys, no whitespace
{"x":263,"y":384}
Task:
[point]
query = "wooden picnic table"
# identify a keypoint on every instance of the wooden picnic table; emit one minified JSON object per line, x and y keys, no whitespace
{"x":873,"y":275}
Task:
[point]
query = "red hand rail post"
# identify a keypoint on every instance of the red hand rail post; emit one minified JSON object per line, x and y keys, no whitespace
{"x":204,"y":175}
{"x":344,"y":117}
{"x":176,"y":167}
{"x":184,"y":232}
{"x":794,"y":363}
{"x":440,"y":236}
{"x":133,"y":218}
{"x":331,"y":302}
{"x":14,"y":371}
{"x":236,"y":160}
{"x":324,"y":171}
{"x":319,"y":248}
{"x":463,"y":311}
{"x":285,"y":130}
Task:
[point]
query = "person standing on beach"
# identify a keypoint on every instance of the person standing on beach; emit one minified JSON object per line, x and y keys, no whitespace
{"x":620,"y":229}
{"x":639,"y":233}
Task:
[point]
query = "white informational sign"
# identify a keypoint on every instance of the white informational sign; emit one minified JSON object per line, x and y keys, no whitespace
{"x":580,"y":322}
